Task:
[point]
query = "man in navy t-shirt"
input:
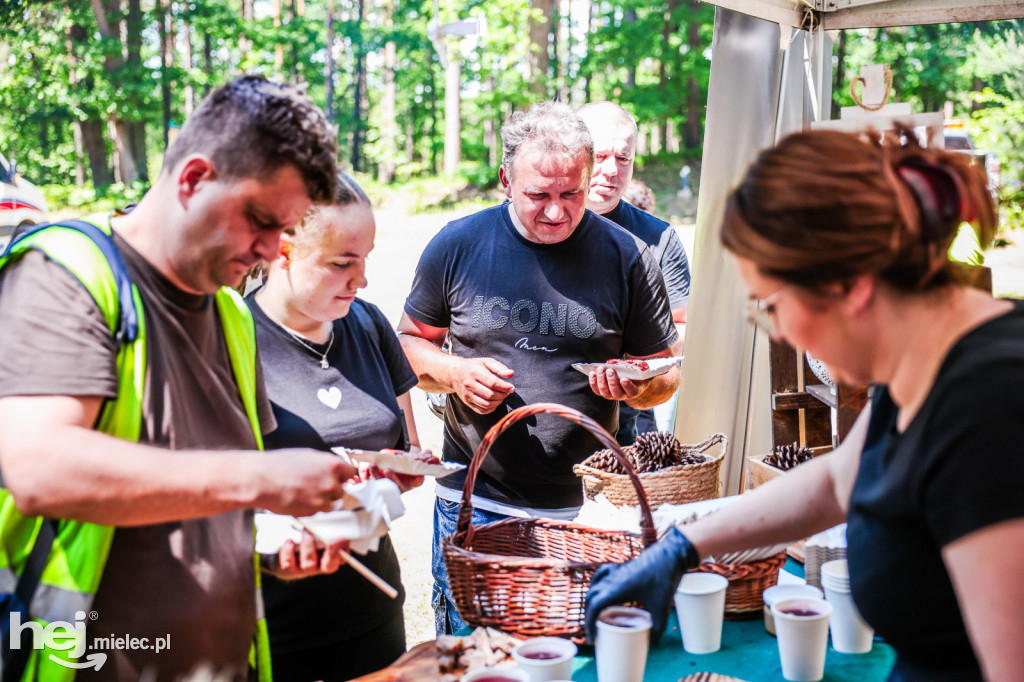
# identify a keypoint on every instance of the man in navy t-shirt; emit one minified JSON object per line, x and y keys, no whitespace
{"x":614,"y":132}
{"x":524,"y":290}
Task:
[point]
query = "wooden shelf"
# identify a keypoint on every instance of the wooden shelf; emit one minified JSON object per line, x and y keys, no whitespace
{"x":824,"y":394}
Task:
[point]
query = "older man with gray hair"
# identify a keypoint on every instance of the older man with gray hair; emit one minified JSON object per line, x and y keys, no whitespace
{"x":614,"y":132}
{"x":524,"y":290}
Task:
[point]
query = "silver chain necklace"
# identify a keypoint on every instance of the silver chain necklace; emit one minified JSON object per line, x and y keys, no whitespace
{"x":302,"y":342}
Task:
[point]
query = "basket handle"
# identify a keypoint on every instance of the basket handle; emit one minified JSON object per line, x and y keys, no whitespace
{"x":648,"y":532}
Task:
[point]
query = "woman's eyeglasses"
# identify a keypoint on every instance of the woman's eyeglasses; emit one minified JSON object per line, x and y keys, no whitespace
{"x":761,"y":311}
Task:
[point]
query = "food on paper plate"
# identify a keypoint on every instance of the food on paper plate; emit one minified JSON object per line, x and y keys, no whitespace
{"x":638,"y":364}
{"x":426,"y":458}
{"x":630,"y":368}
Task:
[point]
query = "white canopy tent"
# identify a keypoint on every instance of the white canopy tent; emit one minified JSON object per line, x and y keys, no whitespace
{"x":771,"y":66}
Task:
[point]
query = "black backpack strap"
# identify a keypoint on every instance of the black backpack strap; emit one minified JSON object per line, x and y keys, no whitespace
{"x":128,"y":328}
{"x":15,"y":660}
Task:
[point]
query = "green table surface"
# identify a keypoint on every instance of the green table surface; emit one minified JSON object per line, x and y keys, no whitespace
{"x":748,"y":653}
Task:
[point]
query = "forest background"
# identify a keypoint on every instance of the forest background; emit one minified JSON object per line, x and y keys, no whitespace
{"x":91,"y":90}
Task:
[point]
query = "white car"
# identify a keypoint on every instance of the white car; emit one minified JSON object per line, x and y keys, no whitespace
{"x":21,"y":203}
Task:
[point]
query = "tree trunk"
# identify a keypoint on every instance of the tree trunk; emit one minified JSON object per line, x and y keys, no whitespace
{"x":840,"y":75}
{"x":111,"y":25}
{"x":977,"y":85}
{"x":631,"y":69}
{"x":433,"y":115}
{"x":95,"y":144}
{"x":278,"y":47}
{"x":207,"y":59}
{"x":694,"y":102}
{"x":452,"y":114}
{"x":166,"y":56}
{"x":490,"y":129}
{"x":410,"y":137}
{"x":298,"y":10}
{"x":591,"y":8}
{"x":357,"y":99}
{"x":663,"y":73}
{"x":73,"y":33}
{"x":135,"y":129}
{"x":388,"y":124}
{"x":539,"y":59}
{"x":124,"y":168}
{"x":329,"y":63}
{"x":79,"y":154}
{"x":190,"y":89}
{"x":556,"y":58}
{"x":565,"y":69}
{"x":248,"y":15}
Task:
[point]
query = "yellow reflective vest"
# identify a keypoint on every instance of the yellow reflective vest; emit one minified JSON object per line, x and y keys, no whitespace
{"x":79,"y":552}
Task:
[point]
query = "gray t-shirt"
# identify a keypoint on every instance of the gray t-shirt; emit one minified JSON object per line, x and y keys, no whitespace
{"x":193,"y":580}
{"x":664,"y":244}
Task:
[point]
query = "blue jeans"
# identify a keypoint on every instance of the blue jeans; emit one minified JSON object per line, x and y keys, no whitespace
{"x":447,"y":620}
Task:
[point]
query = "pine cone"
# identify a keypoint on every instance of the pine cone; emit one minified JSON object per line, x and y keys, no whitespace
{"x":605,"y":461}
{"x":692,"y":458}
{"x":656,"y":451}
{"x":786,"y":457}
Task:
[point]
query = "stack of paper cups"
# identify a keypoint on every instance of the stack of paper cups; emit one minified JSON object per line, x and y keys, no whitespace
{"x":850,"y":634}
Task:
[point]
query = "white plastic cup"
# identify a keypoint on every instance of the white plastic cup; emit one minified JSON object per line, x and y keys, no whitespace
{"x":801,"y":626}
{"x":850,"y":634}
{"x":621,"y":644}
{"x":700,"y":605}
{"x":545,"y":659}
{"x":778,"y":593}
{"x":495,"y":674}
{"x":837,"y":573}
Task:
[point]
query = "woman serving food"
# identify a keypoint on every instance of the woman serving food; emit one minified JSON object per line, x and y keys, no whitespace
{"x":841,"y":241}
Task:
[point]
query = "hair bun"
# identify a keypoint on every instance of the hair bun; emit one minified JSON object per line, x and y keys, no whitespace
{"x":936,"y":189}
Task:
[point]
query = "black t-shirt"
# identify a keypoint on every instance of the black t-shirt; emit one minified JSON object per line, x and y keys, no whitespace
{"x":955,"y":469}
{"x":664,"y":244}
{"x":352,"y":403}
{"x":538,"y":308}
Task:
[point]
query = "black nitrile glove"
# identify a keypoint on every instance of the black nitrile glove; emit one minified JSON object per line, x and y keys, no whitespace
{"x":650,"y":579}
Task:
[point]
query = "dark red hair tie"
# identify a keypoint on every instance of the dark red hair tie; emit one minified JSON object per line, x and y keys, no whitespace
{"x":936,"y":190}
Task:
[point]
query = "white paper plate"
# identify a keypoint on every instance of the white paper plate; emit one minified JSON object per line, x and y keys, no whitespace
{"x":402,"y":464}
{"x":656,"y":367}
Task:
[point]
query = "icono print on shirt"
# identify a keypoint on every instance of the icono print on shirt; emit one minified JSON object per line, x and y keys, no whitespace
{"x":331,"y":397}
{"x":526,"y":316}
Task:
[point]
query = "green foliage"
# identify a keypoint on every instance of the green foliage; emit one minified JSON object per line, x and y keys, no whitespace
{"x":79,"y":201}
{"x":998,"y":122}
{"x":58,"y":72}
{"x":1011,"y":208}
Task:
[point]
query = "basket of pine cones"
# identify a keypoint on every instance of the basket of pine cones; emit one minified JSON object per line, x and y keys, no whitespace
{"x":670,"y":472}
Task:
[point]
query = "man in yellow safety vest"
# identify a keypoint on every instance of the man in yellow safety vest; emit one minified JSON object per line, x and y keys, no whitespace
{"x":132,"y":407}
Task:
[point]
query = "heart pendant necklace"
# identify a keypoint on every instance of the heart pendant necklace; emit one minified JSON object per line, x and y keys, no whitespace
{"x":323,"y":356}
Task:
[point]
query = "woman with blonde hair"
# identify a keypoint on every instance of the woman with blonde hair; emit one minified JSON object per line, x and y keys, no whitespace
{"x":841,"y":241}
{"x":336,"y":376}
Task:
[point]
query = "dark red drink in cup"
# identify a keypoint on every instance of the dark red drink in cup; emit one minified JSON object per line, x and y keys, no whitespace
{"x":545,"y":658}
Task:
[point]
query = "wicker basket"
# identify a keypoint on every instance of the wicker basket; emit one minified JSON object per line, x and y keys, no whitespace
{"x":747,"y":582}
{"x":674,"y":485}
{"x":529,"y":577}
